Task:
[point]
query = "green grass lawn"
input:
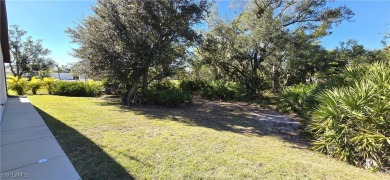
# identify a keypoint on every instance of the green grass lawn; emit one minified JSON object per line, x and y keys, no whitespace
{"x":108,"y":141}
{"x":40,"y":91}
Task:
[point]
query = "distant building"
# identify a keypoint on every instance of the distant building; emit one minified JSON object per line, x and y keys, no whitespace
{"x":63,"y":76}
{"x":83,"y":78}
{"x":68,"y":77}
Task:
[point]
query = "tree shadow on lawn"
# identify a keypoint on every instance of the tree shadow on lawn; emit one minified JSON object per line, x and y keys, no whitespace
{"x":90,"y":161}
{"x":237,"y":117}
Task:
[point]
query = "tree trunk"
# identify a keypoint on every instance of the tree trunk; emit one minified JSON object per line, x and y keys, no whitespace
{"x":255,"y":79}
{"x":256,"y":62}
{"x":12,"y":69}
{"x":144,"y":85}
{"x":130,"y":95}
{"x":311,"y":76}
{"x":275,"y":79}
{"x":197,"y":73}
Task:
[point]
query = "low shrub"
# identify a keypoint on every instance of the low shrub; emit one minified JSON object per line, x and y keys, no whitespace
{"x":35,"y":83}
{"x":221,"y":90}
{"x":194,"y":87}
{"x":167,"y":84}
{"x":20,"y":85}
{"x":172,"y":97}
{"x":49,"y":83}
{"x":167,"y":93}
{"x":301,"y":99}
{"x":298,"y":98}
{"x":352,"y":122}
{"x":81,"y":89}
{"x":96,"y":84}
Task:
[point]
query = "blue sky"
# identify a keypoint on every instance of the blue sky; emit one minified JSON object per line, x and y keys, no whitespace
{"x":47,"y":20}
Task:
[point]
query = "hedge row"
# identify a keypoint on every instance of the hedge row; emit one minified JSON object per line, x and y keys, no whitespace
{"x":53,"y":86}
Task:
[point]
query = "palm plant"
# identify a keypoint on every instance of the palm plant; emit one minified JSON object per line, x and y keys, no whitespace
{"x":297,"y":98}
{"x":20,"y":85}
{"x":35,"y":84}
{"x":49,"y":83}
{"x":352,"y":123}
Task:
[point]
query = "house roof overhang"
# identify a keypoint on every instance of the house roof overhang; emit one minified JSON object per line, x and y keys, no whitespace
{"x":4,"y":32}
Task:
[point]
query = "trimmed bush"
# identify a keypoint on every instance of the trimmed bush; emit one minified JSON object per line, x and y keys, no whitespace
{"x":20,"y":85}
{"x":49,"y":83}
{"x":352,"y":123}
{"x":80,"y":89}
{"x":35,"y":83}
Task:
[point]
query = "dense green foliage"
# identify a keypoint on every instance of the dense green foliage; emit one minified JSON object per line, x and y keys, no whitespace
{"x":220,"y":90}
{"x":137,"y":41}
{"x":216,"y":90}
{"x":20,"y":85}
{"x":194,"y":87}
{"x":263,"y":43}
{"x":348,"y":115}
{"x":166,"y":84}
{"x":172,"y":93}
{"x":173,"y":97}
{"x":54,"y":86}
{"x":167,"y":93}
{"x":297,"y":98}
{"x":352,"y":122}
{"x":83,"y":89}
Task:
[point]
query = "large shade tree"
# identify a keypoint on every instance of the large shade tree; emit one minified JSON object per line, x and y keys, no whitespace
{"x":265,"y":34}
{"x":28,"y":56}
{"x":129,"y":40}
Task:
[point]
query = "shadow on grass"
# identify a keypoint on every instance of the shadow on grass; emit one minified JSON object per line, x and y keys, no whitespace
{"x":90,"y":161}
{"x":237,"y":117}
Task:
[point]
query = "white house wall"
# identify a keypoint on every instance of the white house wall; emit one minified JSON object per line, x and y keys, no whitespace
{"x":3,"y":89}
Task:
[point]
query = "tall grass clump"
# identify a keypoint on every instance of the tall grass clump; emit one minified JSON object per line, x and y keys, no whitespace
{"x":20,"y":85}
{"x":352,"y":121}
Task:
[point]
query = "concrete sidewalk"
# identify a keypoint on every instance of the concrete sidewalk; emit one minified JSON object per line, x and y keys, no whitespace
{"x":28,"y":148}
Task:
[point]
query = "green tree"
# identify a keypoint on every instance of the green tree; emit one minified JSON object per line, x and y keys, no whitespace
{"x":28,"y":56}
{"x":261,"y":37}
{"x":82,"y":68}
{"x":62,"y":69}
{"x":126,"y":40}
{"x":42,"y":67}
